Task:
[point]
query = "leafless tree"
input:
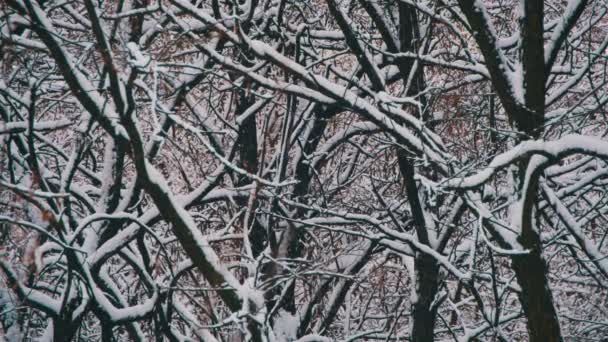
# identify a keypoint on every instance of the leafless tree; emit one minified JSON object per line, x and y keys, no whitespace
{"x":421,"y":170}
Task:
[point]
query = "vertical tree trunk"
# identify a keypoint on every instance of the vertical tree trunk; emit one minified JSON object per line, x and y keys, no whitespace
{"x":536,"y":297}
{"x":423,"y":313}
{"x":426,"y":267}
{"x":531,"y":271}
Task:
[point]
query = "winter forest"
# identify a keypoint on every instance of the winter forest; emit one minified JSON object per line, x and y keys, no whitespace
{"x":304,"y":170}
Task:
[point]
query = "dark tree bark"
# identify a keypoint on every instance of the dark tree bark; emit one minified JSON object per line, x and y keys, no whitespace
{"x":528,"y":118}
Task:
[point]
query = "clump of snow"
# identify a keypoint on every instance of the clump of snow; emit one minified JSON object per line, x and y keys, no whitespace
{"x":138,"y":59}
{"x":286,"y":326}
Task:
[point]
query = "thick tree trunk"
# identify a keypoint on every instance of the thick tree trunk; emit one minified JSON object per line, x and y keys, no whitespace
{"x":531,"y":271}
{"x":423,"y":314}
{"x":536,"y":297}
{"x":426,"y":267}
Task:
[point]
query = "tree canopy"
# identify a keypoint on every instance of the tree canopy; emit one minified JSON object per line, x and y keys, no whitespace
{"x":286,"y":170}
